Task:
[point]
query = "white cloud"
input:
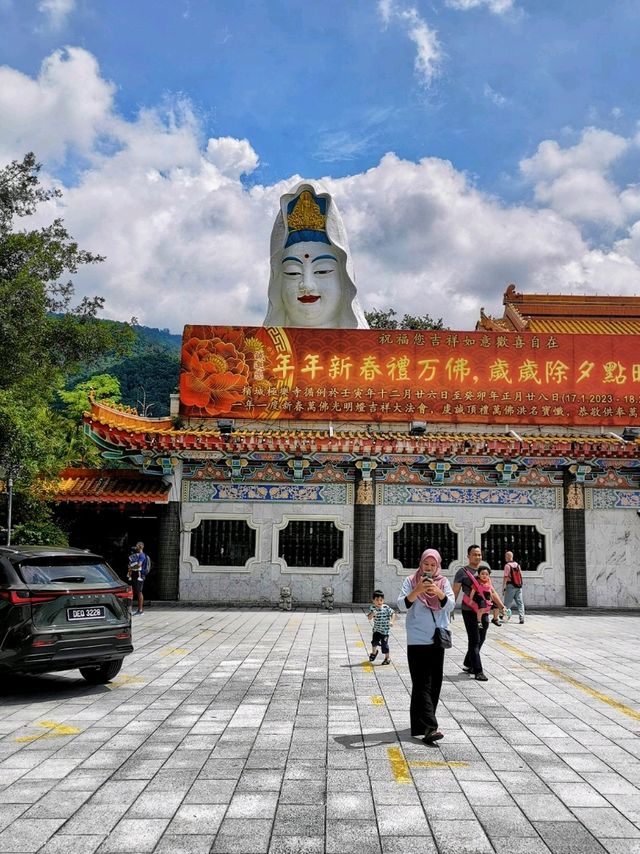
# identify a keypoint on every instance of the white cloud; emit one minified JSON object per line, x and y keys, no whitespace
{"x":575,"y":181}
{"x":57,"y":11}
{"x":493,"y":96}
{"x":498,"y":7}
{"x":425,"y":39}
{"x":67,"y":105}
{"x":232,"y":157}
{"x":187,"y":242}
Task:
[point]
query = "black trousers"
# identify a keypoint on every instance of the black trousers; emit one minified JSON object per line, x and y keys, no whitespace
{"x":426,"y":665}
{"x":475,"y":638}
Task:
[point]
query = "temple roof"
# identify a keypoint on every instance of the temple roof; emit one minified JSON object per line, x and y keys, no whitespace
{"x":108,"y":486}
{"x":560,"y":313}
{"x":153,"y":435}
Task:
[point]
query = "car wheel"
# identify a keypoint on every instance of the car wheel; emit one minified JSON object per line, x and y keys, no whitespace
{"x":102,"y":672}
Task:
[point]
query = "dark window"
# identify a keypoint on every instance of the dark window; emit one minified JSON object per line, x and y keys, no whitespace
{"x":414,"y":537}
{"x":66,"y":570}
{"x":310,"y":543}
{"x":525,"y":541}
{"x":223,"y":542}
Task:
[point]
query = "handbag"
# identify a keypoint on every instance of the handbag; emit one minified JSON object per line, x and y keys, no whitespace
{"x":442,"y":638}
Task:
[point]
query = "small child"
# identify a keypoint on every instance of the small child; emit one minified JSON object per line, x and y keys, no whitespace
{"x":482,"y":600}
{"x":383,"y":618}
{"x":134,"y":565}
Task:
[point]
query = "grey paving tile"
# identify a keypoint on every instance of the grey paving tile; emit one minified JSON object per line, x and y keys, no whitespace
{"x":63,"y":844}
{"x":239,"y":836}
{"x":352,"y":837}
{"x":185,"y":844}
{"x":297,"y":845}
{"x":197,"y":819}
{"x":460,"y":837}
{"x":253,"y":805}
{"x":134,"y":834}
{"x":502,"y":821}
{"x":606,"y":823}
{"x":568,"y":838}
{"x":28,"y":835}
{"x":404,"y":844}
{"x":299,"y":820}
{"x":539,"y":807}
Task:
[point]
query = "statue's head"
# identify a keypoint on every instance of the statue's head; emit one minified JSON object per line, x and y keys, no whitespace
{"x":311,"y":282}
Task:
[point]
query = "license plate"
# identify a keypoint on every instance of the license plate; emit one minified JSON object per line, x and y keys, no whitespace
{"x":95,"y":612}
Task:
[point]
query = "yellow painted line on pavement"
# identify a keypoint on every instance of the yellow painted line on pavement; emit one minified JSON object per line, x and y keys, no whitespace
{"x":56,"y":730}
{"x":377,"y":700}
{"x":367,"y":667}
{"x":125,"y":680}
{"x":597,"y":695}
{"x":399,"y":765}
{"x":360,"y":644}
{"x":176,"y":650}
{"x":401,"y":769}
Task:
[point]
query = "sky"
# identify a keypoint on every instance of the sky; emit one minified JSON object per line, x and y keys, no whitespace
{"x":468,"y":144}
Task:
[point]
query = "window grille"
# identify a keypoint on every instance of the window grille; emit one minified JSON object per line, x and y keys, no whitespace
{"x":223,"y":542}
{"x":528,"y":545}
{"x":310,"y":543}
{"x":414,"y":537}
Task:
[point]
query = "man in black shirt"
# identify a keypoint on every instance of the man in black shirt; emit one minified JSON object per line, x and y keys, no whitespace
{"x":464,"y":580}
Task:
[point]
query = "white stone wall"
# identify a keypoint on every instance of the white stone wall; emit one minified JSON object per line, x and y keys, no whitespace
{"x":543,"y":588}
{"x":260,"y":581}
{"x":613,"y":558}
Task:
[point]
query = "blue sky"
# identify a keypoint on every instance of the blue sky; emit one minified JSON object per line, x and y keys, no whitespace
{"x":468,"y":143}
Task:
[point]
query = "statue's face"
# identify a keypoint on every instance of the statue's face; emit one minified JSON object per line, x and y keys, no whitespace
{"x":311,"y":285}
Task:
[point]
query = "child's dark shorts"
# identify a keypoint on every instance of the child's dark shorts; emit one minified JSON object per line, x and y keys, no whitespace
{"x":380,"y":640}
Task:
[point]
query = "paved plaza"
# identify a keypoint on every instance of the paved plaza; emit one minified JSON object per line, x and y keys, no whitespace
{"x":261,"y":731}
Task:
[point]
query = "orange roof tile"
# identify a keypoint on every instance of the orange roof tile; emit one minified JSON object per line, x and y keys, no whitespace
{"x":108,"y":486}
{"x":570,"y":313}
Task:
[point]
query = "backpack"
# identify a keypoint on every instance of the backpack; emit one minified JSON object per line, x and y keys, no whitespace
{"x":148,"y":567}
{"x":515,"y":574}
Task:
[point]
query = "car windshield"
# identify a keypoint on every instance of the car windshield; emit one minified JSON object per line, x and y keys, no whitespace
{"x":66,"y":571}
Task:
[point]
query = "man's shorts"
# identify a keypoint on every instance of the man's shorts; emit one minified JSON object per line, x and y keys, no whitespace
{"x":137,"y":585}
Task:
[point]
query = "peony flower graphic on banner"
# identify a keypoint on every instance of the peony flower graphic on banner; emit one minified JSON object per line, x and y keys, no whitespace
{"x":216,"y":374}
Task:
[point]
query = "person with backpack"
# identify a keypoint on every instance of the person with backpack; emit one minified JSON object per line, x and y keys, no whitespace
{"x":139,"y":568}
{"x":512,"y":584}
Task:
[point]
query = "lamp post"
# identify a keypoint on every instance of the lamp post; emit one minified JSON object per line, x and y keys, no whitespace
{"x":9,"y":476}
{"x":9,"y":508}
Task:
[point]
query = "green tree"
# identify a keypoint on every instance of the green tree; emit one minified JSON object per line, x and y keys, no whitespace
{"x":80,"y":451}
{"x":43,"y":336}
{"x":380,"y":319}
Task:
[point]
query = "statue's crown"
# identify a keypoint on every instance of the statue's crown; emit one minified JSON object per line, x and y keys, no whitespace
{"x":307,"y":219}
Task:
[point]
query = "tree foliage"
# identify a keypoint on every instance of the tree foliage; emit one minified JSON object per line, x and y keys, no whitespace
{"x":43,"y":335}
{"x":380,"y":319}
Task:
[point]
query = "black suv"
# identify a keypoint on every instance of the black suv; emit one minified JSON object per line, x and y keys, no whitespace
{"x":61,"y":609}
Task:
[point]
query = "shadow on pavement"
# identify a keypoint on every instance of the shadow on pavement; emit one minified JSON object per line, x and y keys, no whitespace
{"x":40,"y":689}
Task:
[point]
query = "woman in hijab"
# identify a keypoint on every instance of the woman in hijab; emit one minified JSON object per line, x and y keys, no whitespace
{"x":428,"y":598}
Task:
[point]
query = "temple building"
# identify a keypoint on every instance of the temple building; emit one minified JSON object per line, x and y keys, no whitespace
{"x":316,"y":455}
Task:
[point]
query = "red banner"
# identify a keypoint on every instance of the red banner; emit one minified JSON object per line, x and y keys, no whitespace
{"x":407,"y":375}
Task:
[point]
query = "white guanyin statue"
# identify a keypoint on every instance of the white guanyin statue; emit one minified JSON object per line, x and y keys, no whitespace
{"x":311,"y":282}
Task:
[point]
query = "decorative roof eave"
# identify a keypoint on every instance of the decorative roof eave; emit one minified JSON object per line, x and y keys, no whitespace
{"x":106,"y":486}
{"x":362,"y":443}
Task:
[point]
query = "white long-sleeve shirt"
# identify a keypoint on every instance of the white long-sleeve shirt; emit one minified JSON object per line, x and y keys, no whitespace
{"x":420,"y":623}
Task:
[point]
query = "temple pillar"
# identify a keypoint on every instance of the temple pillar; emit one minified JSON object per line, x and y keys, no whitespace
{"x":575,"y":554}
{"x":364,"y":533}
{"x":167,"y":566}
